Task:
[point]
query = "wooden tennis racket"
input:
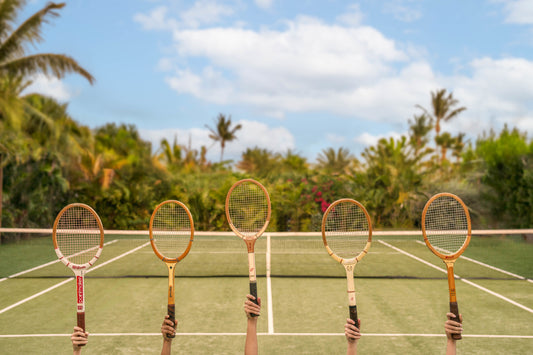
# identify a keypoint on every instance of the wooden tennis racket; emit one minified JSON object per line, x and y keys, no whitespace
{"x":78,"y":237}
{"x":347,"y":236}
{"x":447,"y":232}
{"x":171,"y":235}
{"x":248,"y":213}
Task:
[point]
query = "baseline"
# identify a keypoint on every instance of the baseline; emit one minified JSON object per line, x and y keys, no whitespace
{"x":275,"y":334}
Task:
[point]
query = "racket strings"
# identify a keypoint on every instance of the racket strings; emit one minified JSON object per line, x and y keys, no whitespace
{"x":346,"y":230}
{"x":171,"y":230}
{"x":446,"y":225}
{"x":248,"y":208}
{"x":78,"y":235}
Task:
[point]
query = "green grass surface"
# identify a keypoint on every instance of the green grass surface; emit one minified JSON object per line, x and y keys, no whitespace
{"x":396,"y":294}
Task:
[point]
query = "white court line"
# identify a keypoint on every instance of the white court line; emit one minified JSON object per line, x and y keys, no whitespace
{"x":488,"y":266}
{"x":34,"y":296}
{"x":269,"y":290}
{"x":458,"y":277}
{"x":275,"y":334}
{"x":45,"y":265}
{"x":69,"y":279}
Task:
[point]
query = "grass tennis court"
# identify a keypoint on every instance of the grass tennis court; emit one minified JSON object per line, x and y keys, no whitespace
{"x":401,"y":292}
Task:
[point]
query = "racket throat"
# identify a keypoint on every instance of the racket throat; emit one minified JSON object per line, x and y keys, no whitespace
{"x":451,"y":280}
{"x":350,"y":284}
{"x":171,"y":273}
{"x":251,"y":267}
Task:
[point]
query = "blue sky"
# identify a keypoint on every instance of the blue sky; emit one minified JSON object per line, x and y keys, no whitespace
{"x":303,"y":75}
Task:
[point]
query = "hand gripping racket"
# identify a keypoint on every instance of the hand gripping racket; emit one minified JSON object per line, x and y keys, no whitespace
{"x":171,"y":235}
{"x":347,"y":235}
{"x":248,"y":213}
{"x":447,"y":231}
{"x":78,"y":237}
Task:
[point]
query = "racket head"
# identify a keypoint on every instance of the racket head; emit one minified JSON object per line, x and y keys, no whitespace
{"x":78,"y":236}
{"x":248,"y":209}
{"x":347,"y":231}
{"x":446,"y":225}
{"x":171,"y":231}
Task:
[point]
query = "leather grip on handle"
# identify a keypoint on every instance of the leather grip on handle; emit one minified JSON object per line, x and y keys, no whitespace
{"x":454,"y":308}
{"x":353,"y":315}
{"x":81,"y":323}
{"x":171,"y":311}
{"x":253,"y":292}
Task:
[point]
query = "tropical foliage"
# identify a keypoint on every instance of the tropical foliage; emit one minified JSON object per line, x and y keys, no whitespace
{"x":48,"y":159}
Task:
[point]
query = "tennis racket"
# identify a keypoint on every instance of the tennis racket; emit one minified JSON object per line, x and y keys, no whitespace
{"x":248,"y":213}
{"x":171,"y":235}
{"x":447,"y":231}
{"x":78,"y":237}
{"x":347,"y":236}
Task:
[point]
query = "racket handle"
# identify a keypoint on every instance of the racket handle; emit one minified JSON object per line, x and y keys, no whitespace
{"x":454,"y":308}
{"x":171,"y":311}
{"x":81,"y":322}
{"x":353,"y":315}
{"x":253,"y":292}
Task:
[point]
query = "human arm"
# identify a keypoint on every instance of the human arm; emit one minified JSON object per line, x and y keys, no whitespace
{"x":167,"y":328}
{"x":79,"y":338}
{"x":352,"y":336}
{"x":452,"y":327}
{"x":250,"y":347}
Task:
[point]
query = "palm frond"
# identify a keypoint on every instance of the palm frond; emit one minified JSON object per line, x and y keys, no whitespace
{"x":29,"y":32}
{"x":8,"y":14}
{"x":50,"y":64}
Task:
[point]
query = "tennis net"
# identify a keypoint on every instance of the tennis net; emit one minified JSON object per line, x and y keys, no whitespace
{"x":492,"y":254}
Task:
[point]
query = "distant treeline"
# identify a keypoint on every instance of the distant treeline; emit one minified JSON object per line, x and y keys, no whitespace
{"x":48,"y":160}
{"x":49,"y":163}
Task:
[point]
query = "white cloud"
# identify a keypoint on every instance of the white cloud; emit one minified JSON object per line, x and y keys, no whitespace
{"x":203,"y":12}
{"x":252,"y":134}
{"x":156,"y":20}
{"x":256,"y":134}
{"x":519,"y":11}
{"x":497,"y":92}
{"x":345,"y":70}
{"x":308,"y":66}
{"x":402,"y":10}
{"x":367,"y":139}
{"x":166,"y":64}
{"x":264,"y":4}
{"x":353,"y":17}
{"x":49,"y":86}
{"x":209,"y":85}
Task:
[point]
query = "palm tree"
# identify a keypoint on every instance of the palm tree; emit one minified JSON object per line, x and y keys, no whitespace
{"x":171,"y":154}
{"x":17,"y":67}
{"x":292,"y":162}
{"x":223,"y":132}
{"x":335,"y":162}
{"x":14,"y":41}
{"x":257,"y":161}
{"x":458,"y":146}
{"x":442,"y":108}
{"x":419,"y":128}
{"x":393,"y":179}
{"x":445,"y":141}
